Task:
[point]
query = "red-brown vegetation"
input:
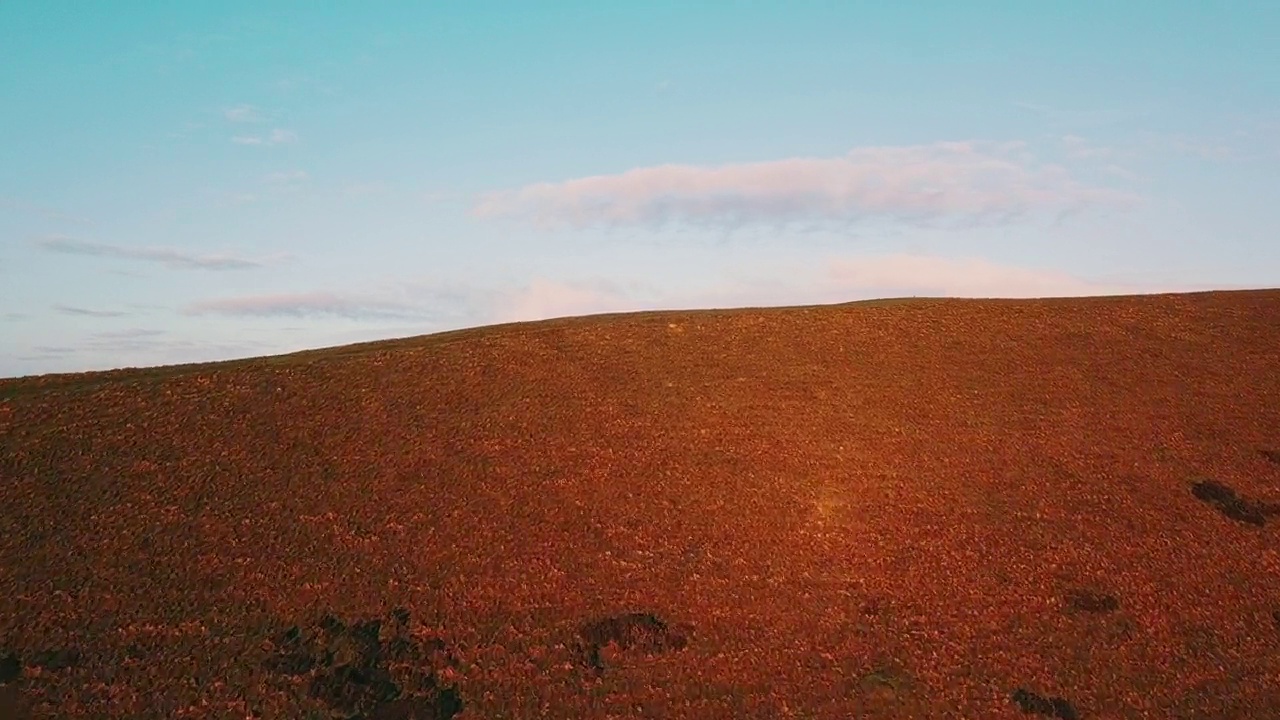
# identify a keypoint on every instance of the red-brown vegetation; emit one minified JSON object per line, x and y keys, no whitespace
{"x":926,"y":509}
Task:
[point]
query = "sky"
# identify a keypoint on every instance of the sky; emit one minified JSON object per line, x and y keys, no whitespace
{"x":185,"y":182}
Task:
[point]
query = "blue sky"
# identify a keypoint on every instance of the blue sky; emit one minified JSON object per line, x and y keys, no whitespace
{"x":197,"y":181}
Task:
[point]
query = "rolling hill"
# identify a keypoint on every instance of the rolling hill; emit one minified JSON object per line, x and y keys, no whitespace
{"x":906,"y":509}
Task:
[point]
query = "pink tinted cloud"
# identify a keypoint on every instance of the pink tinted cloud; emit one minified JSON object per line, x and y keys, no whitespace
{"x":966,"y":182}
{"x":542,"y":299}
{"x":958,"y":277}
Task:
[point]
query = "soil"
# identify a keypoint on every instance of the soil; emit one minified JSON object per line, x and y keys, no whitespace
{"x":909,"y":509}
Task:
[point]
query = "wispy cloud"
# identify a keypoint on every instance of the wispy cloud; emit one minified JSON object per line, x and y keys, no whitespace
{"x":86,"y":312}
{"x":925,"y":184}
{"x":242,"y":114}
{"x":275,"y":137}
{"x":96,"y":353}
{"x":314,"y":304}
{"x":129,"y":334}
{"x":132,"y":340}
{"x":166,"y":256}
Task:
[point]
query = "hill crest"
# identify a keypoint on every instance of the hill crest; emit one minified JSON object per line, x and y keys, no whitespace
{"x":938,"y":508}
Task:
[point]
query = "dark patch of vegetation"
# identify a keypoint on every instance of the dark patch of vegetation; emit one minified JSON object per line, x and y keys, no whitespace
{"x":292,"y":658}
{"x":1229,"y":503}
{"x":10,"y":668}
{"x":54,"y":660}
{"x":1272,"y":455}
{"x":641,"y":632}
{"x":448,"y":705}
{"x":353,"y":668}
{"x":885,"y":680}
{"x":1034,"y":704}
{"x":1089,"y":601}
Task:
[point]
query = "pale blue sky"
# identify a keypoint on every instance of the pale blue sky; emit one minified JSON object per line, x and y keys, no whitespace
{"x":199,"y":181}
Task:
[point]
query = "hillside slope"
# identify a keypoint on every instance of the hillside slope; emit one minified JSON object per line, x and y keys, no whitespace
{"x":950,"y":508}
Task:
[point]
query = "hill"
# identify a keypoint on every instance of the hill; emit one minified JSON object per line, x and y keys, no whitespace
{"x":918,"y":509}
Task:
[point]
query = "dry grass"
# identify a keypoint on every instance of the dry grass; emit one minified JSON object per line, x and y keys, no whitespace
{"x":916,"y":509}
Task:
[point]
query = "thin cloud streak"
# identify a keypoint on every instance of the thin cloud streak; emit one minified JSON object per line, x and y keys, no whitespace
{"x":96,"y":354}
{"x":968,"y":183}
{"x":86,"y":312}
{"x":242,"y":114}
{"x":129,"y":334}
{"x":299,"y":305}
{"x":166,"y":256}
{"x":276,"y":137}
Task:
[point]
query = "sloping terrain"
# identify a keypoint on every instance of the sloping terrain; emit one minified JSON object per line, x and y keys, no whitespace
{"x":929,"y":509}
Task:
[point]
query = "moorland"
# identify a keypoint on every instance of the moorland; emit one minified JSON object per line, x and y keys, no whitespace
{"x":927,"y":508}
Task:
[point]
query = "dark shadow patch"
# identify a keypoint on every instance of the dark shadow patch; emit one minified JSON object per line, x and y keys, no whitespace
{"x":400,"y":616}
{"x":644,"y":633}
{"x":10,"y":668}
{"x":1089,"y":601}
{"x":366,"y":669}
{"x":1272,"y":455}
{"x":1035,"y":704}
{"x":884,"y":688}
{"x":292,"y":657}
{"x":872,"y":608}
{"x":55,"y":660}
{"x":134,"y":651}
{"x":447,"y":704}
{"x":1275,"y":618}
{"x":330,"y":623}
{"x":1229,"y":503}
